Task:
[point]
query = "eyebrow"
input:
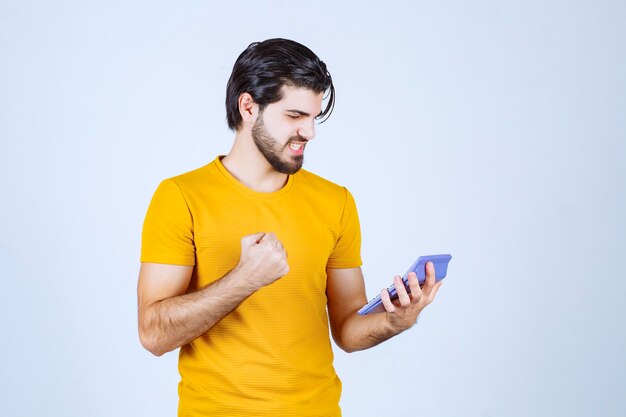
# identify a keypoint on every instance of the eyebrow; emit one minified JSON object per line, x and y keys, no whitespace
{"x":302,"y":113}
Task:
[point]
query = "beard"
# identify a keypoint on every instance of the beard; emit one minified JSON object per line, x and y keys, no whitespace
{"x":273,"y":152}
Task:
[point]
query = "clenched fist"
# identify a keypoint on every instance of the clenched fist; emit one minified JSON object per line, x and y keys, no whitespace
{"x":263,"y":258}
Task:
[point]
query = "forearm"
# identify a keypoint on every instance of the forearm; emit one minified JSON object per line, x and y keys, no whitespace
{"x":173,"y":322}
{"x":346,"y":294}
{"x":363,"y":332}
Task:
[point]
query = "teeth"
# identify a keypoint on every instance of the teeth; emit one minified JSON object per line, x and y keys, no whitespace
{"x":295,"y":146}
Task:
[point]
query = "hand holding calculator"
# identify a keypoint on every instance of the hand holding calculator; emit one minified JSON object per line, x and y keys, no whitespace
{"x":440,"y":263}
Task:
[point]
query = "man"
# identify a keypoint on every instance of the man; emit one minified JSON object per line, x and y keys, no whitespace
{"x":241,"y":258}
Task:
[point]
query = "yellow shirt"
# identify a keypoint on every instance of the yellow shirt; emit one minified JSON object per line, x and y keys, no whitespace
{"x":271,"y":356}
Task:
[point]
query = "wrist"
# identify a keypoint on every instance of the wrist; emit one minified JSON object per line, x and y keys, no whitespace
{"x":393,"y":328}
{"x":245,"y":278}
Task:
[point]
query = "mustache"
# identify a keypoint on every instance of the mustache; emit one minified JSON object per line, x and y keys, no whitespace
{"x":297,"y":139}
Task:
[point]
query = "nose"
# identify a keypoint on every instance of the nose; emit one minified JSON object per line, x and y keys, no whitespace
{"x":307,"y":130}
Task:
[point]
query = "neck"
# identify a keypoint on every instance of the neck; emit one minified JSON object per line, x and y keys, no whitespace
{"x":249,"y":166}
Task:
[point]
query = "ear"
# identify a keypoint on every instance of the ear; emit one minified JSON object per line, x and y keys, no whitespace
{"x":248,"y":109}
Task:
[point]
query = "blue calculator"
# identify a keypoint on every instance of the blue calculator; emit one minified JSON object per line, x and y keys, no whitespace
{"x":419,"y":267}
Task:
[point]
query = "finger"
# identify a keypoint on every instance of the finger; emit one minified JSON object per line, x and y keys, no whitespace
{"x":282,"y":249}
{"x":268,"y":238}
{"x":249,"y":240}
{"x":259,"y":237}
{"x":403,"y":296}
{"x":430,"y":276}
{"x":384,"y":296}
{"x":414,"y":285}
{"x":433,"y":293}
{"x":279,"y":245}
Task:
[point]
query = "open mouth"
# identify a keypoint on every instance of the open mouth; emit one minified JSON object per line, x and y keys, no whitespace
{"x":296,"y":148}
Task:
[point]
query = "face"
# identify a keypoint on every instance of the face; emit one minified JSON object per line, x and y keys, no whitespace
{"x":282,"y":131}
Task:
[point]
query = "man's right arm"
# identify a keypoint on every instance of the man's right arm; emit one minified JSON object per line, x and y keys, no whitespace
{"x":169,"y":318}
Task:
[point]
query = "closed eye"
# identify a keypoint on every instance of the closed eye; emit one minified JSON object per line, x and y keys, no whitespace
{"x":296,"y":114}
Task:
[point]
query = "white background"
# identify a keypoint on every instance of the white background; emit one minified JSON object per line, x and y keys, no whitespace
{"x":491,"y":130}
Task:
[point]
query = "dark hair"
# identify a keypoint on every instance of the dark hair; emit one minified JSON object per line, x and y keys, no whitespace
{"x":265,"y":67}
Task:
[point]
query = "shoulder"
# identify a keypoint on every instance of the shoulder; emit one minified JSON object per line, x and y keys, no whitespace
{"x":186,"y":187}
{"x":314,"y":184}
{"x":194,"y":179}
{"x":310,"y":179}
{"x":193,"y":175}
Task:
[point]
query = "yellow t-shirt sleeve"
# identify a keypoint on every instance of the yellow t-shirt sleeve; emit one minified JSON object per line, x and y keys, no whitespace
{"x":167,"y":236}
{"x":347,"y":251}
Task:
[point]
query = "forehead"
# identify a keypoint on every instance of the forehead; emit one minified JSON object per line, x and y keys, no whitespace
{"x":300,"y":98}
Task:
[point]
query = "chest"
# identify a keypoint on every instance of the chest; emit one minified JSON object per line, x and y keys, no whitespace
{"x":306,"y":230}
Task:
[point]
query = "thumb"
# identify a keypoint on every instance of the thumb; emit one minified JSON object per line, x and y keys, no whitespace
{"x":252,"y":239}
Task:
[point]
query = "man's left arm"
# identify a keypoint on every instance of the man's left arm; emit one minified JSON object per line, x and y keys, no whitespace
{"x":346,"y":295}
